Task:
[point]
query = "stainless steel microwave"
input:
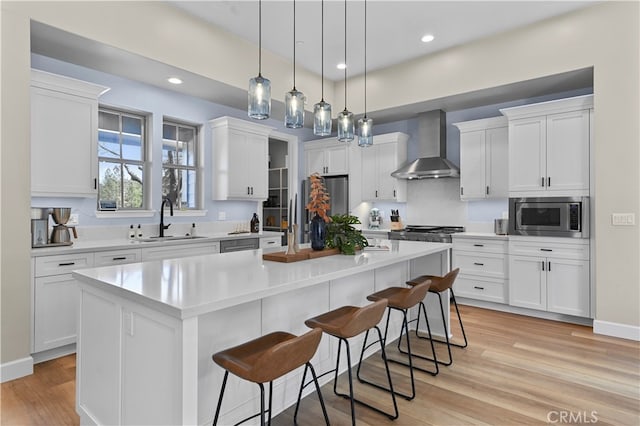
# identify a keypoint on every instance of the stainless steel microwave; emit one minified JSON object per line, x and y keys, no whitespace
{"x":549,"y":216}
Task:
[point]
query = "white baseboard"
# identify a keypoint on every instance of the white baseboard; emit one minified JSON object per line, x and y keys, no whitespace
{"x":16,"y":369}
{"x":614,"y":329}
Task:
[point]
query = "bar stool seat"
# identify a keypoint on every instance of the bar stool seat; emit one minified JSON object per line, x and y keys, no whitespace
{"x":402,"y":299}
{"x":440,"y":284}
{"x":265,"y":359}
{"x":346,"y":322}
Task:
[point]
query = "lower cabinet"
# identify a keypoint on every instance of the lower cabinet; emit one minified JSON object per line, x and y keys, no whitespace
{"x":483,"y":268}
{"x":557,"y":279}
{"x":171,"y":251}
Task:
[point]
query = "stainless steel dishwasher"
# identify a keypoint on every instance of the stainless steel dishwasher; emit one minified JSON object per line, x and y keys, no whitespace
{"x":239,"y":244}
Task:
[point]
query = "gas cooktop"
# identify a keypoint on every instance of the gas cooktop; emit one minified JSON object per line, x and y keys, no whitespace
{"x":429,"y":233}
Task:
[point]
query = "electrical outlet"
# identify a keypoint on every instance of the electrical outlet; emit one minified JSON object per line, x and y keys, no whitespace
{"x":623,"y":219}
{"x":73,"y":220}
{"x":222,"y":215}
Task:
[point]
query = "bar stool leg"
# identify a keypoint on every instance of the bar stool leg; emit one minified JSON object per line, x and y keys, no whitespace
{"x":224,"y":385}
{"x":308,"y":366}
{"x":453,"y":297}
{"x":421,"y":307}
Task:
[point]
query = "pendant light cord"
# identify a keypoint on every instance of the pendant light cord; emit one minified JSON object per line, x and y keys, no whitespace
{"x":365,"y":59}
{"x":345,"y":55}
{"x":294,"y":44}
{"x":322,"y":50}
{"x":259,"y":38}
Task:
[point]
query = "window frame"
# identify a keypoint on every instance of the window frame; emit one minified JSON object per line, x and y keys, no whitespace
{"x":144,"y":163}
{"x":197,"y":167}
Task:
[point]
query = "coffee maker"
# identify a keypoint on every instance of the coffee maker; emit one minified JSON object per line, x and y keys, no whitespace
{"x":375,"y":218}
{"x":60,"y":234}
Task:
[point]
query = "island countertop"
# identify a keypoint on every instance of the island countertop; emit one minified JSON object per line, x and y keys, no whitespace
{"x":188,"y":287}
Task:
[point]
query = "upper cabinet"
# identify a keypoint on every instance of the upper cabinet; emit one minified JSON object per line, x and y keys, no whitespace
{"x":64,"y":136}
{"x":240,"y":159}
{"x":387,"y":154}
{"x":549,"y":147}
{"x":483,"y":158}
{"x":326,"y":157}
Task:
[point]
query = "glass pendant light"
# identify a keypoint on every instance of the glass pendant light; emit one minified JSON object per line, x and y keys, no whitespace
{"x":365,"y":125}
{"x":322,"y":110}
{"x":259,"y":87}
{"x":345,"y":118}
{"x":294,"y":100}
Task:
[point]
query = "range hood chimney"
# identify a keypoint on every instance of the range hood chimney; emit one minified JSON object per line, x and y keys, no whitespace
{"x":431,"y":162}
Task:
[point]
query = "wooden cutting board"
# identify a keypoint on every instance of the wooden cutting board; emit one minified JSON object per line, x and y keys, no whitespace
{"x":303,"y":254}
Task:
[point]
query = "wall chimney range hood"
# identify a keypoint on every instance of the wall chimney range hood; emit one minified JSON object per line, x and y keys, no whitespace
{"x":433,"y":150}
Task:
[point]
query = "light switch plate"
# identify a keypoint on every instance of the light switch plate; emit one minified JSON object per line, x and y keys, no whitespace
{"x":222,"y":215}
{"x":623,"y":219}
{"x":73,"y":220}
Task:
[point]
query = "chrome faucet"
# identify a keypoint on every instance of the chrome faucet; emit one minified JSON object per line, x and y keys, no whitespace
{"x":162,"y":225}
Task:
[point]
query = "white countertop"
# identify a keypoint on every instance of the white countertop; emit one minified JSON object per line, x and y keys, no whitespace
{"x":485,"y":235}
{"x":188,"y":287}
{"x":80,"y":246}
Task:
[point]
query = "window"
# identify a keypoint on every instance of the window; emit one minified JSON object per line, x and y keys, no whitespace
{"x":121,"y":159}
{"x":180,"y":164}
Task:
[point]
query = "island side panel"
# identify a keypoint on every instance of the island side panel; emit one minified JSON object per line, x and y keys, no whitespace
{"x":435,"y":264}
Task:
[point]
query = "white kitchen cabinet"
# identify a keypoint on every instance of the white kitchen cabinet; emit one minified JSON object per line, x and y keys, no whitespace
{"x":549,"y":148}
{"x":483,"y":267}
{"x":64,"y":136}
{"x":484,"y":158}
{"x":182,"y":250}
{"x":326,"y":157}
{"x":240,"y":159}
{"x":550,"y":274}
{"x":116,"y":257}
{"x":387,"y":154}
{"x":55,"y":298}
{"x":270,"y":242}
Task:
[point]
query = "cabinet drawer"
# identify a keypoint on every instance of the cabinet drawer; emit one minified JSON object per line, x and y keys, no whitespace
{"x":116,"y":257}
{"x":556,"y":248}
{"x":488,"y":265}
{"x":481,"y":289}
{"x":270,"y":242}
{"x":62,"y":264}
{"x":480,"y":245}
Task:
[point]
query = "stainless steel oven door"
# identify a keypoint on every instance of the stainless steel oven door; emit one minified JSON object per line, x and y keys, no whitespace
{"x":549,"y":216}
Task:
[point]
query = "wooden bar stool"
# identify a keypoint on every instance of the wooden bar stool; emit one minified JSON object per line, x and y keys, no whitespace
{"x":402,"y":299}
{"x":438,"y":286}
{"x":265,"y":359}
{"x":347,"y":322}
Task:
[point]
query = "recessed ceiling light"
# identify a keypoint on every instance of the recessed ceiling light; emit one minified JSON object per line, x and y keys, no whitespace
{"x":174,"y":80}
{"x":341,"y":66}
{"x":427,"y":38}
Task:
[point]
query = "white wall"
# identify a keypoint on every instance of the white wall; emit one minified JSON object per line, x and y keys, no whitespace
{"x":605,"y":36}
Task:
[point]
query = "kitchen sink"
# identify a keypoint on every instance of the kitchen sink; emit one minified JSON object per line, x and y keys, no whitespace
{"x":170,"y":238}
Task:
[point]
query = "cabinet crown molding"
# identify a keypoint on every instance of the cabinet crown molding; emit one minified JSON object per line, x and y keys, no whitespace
{"x":482,"y":124}
{"x":549,"y":107}
{"x":59,"y":83}
{"x":239,"y":124}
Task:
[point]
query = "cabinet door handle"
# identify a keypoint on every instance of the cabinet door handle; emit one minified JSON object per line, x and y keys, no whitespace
{"x":120,"y":258}
{"x":478,"y":263}
{"x":543,"y":265}
{"x":549,"y":266}
{"x":548,"y":181}
{"x":248,"y":191}
{"x":542,"y":181}
{"x":543,"y":249}
{"x":461,"y":190}
{"x":376,"y":193}
{"x":487,"y":190}
{"x":252,"y":190}
{"x":478,"y":287}
{"x":478,"y":245}
{"x":394,"y":193}
{"x":271,"y":242}
{"x":95,"y":183}
{"x":66,"y":264}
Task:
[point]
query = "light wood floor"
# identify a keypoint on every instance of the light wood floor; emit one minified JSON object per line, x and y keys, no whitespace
{"x":516,"y":370}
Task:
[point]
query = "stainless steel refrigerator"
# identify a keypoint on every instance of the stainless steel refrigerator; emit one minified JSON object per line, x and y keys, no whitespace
{"x":338,"y":189}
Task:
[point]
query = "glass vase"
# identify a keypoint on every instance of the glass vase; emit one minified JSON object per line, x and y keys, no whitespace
{"x":317,"y":232}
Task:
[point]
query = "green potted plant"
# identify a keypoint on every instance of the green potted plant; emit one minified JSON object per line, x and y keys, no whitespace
{"x":341,"y":234}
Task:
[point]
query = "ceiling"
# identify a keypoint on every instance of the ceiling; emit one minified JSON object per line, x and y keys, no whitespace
{"x":394,"y":29}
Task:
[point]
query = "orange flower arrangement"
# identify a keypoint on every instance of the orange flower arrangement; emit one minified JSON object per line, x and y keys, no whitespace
{"x":319,"y":198}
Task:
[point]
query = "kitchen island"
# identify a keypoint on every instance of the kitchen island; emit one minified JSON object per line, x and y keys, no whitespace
{"x":147,"y":330}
